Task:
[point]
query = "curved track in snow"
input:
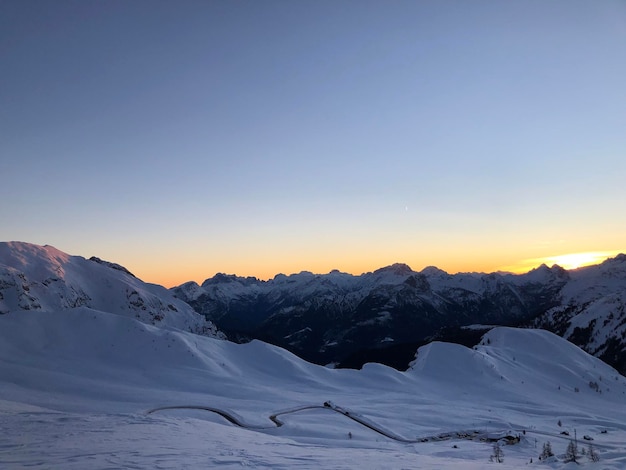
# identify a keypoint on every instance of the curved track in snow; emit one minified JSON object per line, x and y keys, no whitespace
{"x":233,"y":419}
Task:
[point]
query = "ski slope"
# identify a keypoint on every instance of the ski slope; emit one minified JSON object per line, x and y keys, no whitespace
{"x":77,"y":388}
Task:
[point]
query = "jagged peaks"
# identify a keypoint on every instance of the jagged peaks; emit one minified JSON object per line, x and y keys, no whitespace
{"x":398,"y":269}
{"x":620,"y":259}
{"x":221,"y":278}
{"x":335,"y":275}
{"x":617,"y":263}
{"x":543,"y":272}
{"x":338,"y":273}
{"x":294,"y":277}
{"x":611,"y":268}
{"x":544,"y":268}
{"x":615,"y":267}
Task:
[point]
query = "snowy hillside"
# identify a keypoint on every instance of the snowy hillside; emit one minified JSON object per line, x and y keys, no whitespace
{"x":34,"y":277}
{"x":82,"y":388}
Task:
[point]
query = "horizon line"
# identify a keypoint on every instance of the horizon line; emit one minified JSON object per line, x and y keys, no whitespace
{"x":568,"y":262}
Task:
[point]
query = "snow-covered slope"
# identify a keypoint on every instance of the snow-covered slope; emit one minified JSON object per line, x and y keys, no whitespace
{"x":76,"y":387}
{"x":34,"y":277}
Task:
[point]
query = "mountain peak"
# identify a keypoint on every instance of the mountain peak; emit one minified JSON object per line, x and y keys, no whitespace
{"x":433,"y":271}
{"x":618,"y":259}
{"x":221,"y":278}
{"x":543,"y":273}
{"x":38,"y":262}
{"x":398,"y":269}
{"x":42,"y":278}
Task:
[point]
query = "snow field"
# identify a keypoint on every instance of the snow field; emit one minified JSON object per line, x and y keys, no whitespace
{"x":75,"y":387}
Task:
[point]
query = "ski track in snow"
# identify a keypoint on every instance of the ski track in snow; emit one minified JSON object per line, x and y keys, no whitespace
{"x":48,"y":439}
{"x":231,"y":418}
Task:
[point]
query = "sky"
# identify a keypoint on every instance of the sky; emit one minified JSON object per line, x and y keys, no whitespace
{"x":181,"y":139}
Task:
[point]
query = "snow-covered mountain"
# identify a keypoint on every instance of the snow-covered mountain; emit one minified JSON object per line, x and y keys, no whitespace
{"x":82,"y":388}
{"x":325,"y":318}
{"x":99,"y":370}
{"x":331,"y":317}
{"x":592,"y":311}
{"x":34,"y":277}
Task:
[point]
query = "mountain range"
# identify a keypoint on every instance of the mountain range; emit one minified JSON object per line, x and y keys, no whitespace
{"x":339,"y":317}
{"x":100,"y":370}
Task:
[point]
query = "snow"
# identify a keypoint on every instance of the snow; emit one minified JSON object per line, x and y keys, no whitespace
{"x":591,"y":282}
{"x":593,"y":306}
{"x":586,"y":306}
{"x":76,"y":387}
{"x":88,"y":380}
{"x":34,"y":277}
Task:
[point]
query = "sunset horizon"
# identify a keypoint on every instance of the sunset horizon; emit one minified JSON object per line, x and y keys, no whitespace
{"x":568,"y":261}
{"x":148,"y":146}
{"x":182,"y":139}
{"x":576,"y":260}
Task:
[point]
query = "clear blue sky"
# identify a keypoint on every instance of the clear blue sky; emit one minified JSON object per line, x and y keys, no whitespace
{"x":184,"y":138}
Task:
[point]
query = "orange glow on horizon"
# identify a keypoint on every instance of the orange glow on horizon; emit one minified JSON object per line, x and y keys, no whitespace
{"x":199,"y":273}
{"x":566,"y":261}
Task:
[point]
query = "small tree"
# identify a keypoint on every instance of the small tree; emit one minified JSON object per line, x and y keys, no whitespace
{"x":546,"y":452}
{"x":498,"y":455}
{"x":592,"y":454}
{"x":571,"y":453}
